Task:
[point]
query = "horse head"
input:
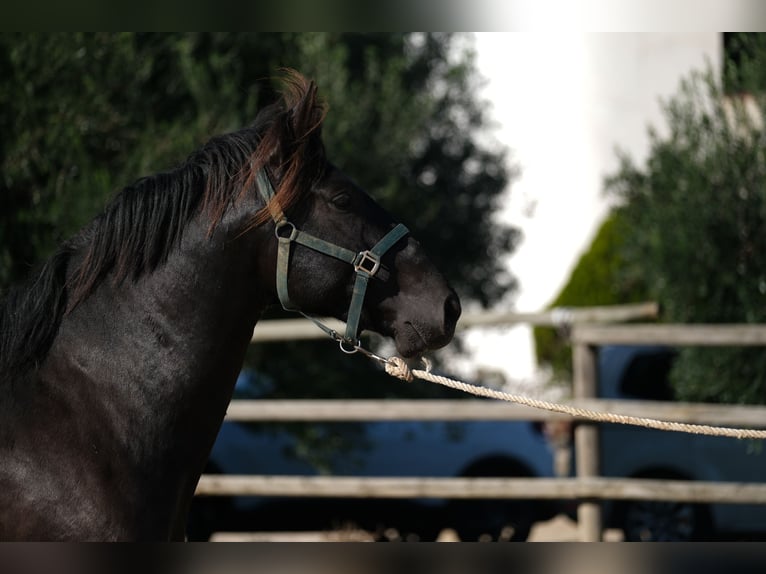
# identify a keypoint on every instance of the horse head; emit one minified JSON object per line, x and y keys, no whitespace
{"x":334,"y":237}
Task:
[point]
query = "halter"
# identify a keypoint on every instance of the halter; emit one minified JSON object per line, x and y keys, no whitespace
{"x":366,"y":264}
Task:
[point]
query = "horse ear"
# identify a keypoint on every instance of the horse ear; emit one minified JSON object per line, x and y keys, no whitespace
{"x":299,"y":142}
{"x":301,"y":121}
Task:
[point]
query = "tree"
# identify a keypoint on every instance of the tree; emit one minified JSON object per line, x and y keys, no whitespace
{"x":696,"y":224}
{"x":85,"y":114}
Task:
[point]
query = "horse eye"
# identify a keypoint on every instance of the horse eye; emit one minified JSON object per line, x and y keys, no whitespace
{"x":342,"y":201}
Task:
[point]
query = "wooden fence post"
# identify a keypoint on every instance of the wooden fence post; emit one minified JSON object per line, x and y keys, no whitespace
{"x":586,"y":440}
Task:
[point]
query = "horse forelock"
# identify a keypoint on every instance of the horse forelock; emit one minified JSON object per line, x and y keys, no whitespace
{"x":291,"y":143}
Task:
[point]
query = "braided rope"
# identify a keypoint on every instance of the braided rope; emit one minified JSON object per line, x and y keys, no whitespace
{"x":396,"y":367}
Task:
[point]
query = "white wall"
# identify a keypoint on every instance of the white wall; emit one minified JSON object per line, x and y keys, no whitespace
{"x":563,"y":102}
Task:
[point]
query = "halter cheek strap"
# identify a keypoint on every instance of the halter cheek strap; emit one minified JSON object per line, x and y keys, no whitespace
{"x":366,"y":263}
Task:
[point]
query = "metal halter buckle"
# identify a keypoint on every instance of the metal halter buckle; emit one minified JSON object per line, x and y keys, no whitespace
{"x":368,"y":262}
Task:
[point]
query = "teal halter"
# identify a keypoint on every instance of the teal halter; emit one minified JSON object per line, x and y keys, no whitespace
{"x":366,"y":263}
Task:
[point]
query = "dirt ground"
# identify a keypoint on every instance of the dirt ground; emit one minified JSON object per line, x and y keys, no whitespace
{"x":558,"y":529}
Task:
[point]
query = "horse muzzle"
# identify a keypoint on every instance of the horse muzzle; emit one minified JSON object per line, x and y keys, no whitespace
{"x":421,"y":329}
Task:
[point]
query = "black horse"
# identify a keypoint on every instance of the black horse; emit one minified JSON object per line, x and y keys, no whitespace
{"x":118,"y":360}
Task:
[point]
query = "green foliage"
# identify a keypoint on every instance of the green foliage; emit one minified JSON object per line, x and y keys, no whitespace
{"x":696,"y":217}
{"x":743,"y":69}
{"x":598,"y":278}
{"x":85,"y":114}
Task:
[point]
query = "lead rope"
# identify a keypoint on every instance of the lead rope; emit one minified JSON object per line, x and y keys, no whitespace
{"x":396,"y":367}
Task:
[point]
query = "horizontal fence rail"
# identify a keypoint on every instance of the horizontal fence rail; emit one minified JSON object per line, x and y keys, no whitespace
{"x":295,"y":329}
{"x":482,"y":488}
{"x":476,"y":410}
{"x":670,"y":334}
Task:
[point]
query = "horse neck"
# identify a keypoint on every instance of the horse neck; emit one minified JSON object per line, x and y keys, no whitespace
{"x":155,"y":359}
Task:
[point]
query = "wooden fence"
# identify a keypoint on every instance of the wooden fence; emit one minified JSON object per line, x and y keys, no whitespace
{"x":585,"y":342}
{"x":587,"y":486}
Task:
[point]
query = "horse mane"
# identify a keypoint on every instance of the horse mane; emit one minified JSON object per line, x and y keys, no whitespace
{"x":144,"y":223}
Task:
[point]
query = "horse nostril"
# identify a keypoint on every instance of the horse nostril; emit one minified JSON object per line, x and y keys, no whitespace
{"x":452,"y":310}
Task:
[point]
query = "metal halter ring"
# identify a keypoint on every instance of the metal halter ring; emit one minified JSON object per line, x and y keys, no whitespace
{"x":353,"y":350}
{"x":281,"y":225}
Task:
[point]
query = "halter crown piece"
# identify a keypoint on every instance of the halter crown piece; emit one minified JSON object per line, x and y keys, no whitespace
{"x":366,"y":263}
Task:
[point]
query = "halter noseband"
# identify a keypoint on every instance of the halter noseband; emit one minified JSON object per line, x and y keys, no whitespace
{"x":366,"y":263}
